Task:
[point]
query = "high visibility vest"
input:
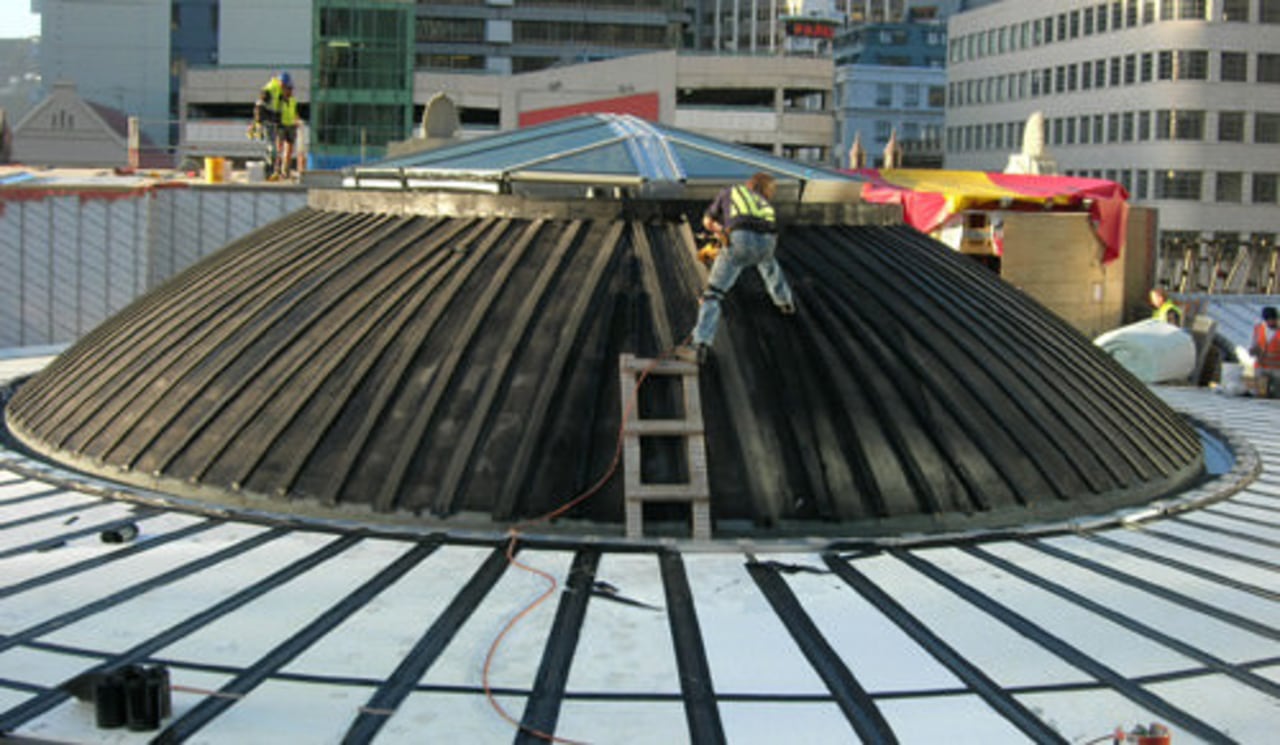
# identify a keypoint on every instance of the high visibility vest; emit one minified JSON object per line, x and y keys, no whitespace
{"x":288,"y":108}
{"x":747,"y":203}
{"x":1269,"y":342}
{"x":1162,"y":313}
{"x":273,"y":89}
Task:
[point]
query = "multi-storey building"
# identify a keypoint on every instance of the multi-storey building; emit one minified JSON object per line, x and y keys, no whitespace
{"x":364,"y":69}
{"x":891,"y":77}
{"x":130,"y":54}
{"x":513,"y":36}
{"x":1178,"y":100}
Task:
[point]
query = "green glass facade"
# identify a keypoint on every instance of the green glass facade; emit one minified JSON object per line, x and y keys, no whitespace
{"x":362,"y":72}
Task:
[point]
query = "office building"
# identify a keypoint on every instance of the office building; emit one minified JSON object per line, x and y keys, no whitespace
{"x":1178,"y":100}
{"x":891,"y":78}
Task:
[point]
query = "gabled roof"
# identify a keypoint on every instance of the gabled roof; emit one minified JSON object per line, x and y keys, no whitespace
{"x":111,"y":124}
{"x":596,"y":149}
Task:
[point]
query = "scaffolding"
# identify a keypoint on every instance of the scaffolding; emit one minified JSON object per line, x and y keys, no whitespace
{"x":1215,"y":266}
{"x":362,"y":90}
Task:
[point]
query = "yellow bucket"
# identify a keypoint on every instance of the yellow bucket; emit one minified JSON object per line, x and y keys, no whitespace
{"x":215,"y":170}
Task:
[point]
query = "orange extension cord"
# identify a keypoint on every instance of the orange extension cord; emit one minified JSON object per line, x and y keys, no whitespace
{"x":552,"y":584}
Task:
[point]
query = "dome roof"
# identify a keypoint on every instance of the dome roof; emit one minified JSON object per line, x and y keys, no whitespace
{"x":420,"y":356}
{"x":462,"y":363}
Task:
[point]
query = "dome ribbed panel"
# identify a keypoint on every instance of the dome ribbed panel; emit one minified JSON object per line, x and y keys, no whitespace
{"x":440,"y":366}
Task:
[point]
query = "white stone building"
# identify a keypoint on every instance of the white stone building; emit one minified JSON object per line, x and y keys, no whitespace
{"x":1178,"y":100}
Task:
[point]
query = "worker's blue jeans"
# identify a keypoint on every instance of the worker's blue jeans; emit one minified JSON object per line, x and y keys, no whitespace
{"x":746,"y":248}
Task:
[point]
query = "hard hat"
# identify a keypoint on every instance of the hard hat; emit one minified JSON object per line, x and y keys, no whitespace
{"x":285,"y":79}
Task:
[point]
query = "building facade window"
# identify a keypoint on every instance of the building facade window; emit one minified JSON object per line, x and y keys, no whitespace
{"x":1229,"y":187}
{"x":884,"y":95}
{"x":1264,"y":188}
{"x":1268,"y":68}
{"x":1269,"y":11}
{"x":1144,"y":126}
{"x":1183,"y":10}
{"x":1145,"y":67}
{"x":911,"y":95}
{"x":883,"y":130}
{"x":1180,"y":185}
{"x":1126,"y":126}
{"x":1235,"y":67}
{"x":1113,"y":127}
{"x":1174,"y":124}
{"x":1235,"y":11}
{"x":1140,"y":185}
{"x":1183,"y":64}
{"x":1230,"y":126}
{"x":1148,"y":11}
{"x":1188,"y":125}
{"x":1130,"y":69}
{"x":1266,"y":128}
{"x":1192,"y":64}
{"x":449,"y":30}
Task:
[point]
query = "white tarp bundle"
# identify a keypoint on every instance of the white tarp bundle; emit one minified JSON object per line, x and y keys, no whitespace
{"x":1154,"y":351}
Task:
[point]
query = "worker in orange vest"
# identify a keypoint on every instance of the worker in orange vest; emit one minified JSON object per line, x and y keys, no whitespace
{"x":1266,"y":354}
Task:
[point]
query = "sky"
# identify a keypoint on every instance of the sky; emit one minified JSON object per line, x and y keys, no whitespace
{"x":17,"y":21}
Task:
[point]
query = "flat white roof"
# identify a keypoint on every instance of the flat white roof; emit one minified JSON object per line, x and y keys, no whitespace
{"x":272,"y":632}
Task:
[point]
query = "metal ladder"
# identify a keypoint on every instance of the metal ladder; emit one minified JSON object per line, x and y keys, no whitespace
{"x":697,"y":490}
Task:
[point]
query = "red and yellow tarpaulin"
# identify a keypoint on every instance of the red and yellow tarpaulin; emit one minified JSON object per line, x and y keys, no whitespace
{"x":930,"y":197}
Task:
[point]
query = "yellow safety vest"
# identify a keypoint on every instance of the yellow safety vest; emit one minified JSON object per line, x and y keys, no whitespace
{"x":273,"y":89}
{"x":1162,"y":313}
{"x":288,"y":108}
{"x":747,"y":203}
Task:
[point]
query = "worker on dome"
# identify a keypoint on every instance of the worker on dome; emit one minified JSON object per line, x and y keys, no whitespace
{"x":745,"y":223}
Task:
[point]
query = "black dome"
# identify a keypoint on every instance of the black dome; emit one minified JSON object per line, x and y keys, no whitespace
{"x":462,"y":363}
